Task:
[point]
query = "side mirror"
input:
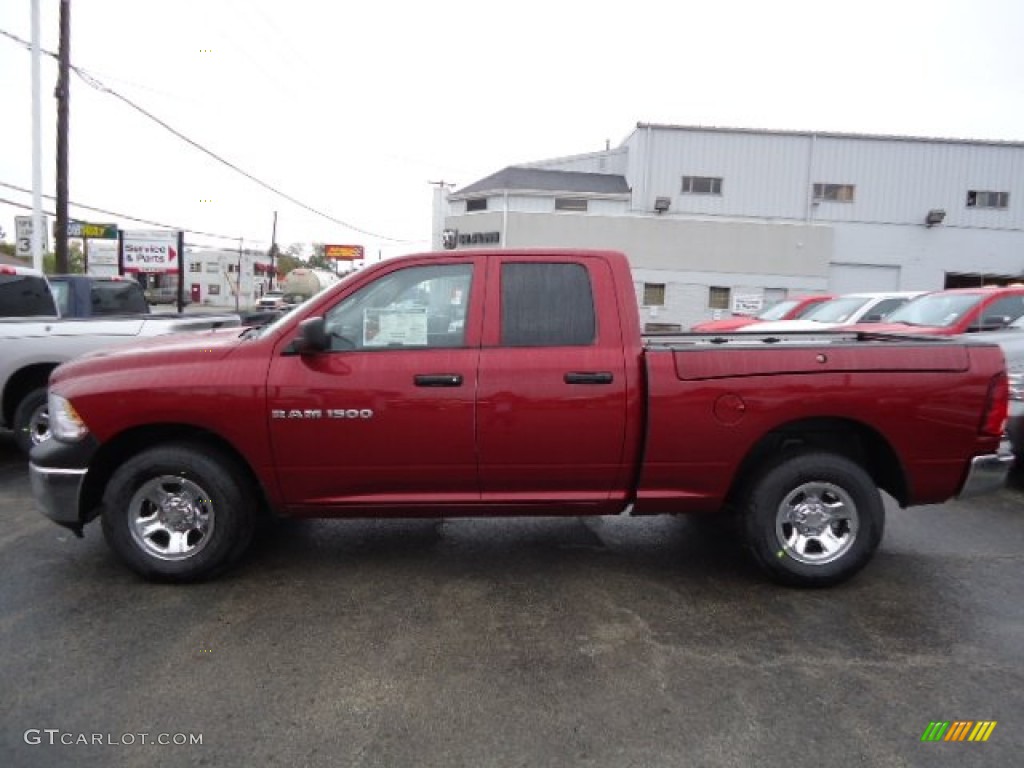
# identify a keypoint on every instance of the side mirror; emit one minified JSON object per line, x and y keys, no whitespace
{"x":312,"y":337}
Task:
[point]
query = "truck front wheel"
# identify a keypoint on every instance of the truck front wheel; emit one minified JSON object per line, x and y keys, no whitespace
{"x":813,"y":520}
{"x":177,"y":513}
{"x":31,"y":420}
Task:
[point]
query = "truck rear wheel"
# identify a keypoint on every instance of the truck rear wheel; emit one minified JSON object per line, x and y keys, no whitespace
{"x":177,"y":513}
{"x":31,"y":420}
{"x":813,"y":520}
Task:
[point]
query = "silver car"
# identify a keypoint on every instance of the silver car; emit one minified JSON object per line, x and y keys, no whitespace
{"x":1011,"y":340}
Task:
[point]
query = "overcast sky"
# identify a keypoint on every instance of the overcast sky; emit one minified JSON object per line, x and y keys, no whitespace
{"x":354,"y":107}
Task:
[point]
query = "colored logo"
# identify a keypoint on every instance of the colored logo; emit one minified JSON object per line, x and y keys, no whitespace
{"x":958,"y":730}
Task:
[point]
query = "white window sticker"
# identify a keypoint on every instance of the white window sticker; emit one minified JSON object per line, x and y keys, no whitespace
{"x":395,"y":327}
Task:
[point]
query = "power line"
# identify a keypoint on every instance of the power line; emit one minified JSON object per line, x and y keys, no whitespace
{"x":124,"y":216}
{"x":99,"y":86}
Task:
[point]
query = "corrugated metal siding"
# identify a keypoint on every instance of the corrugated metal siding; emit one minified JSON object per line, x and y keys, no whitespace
{"x":762,"y":176}
{"x":898,"y":182}
{"x":771,"y":176}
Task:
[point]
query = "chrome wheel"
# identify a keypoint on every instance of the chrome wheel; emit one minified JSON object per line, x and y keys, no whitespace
{"x":816,"y":523}
{"x":171,"y":518}
{"x":39,"y":425}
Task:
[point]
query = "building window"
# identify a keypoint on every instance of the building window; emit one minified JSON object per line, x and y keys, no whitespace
{"x":212,"y":266}
{"x":702,"y":185}
{"x":476,"y":204}
{"x":212,"y":289}
{"x":977,"y":198}
{"x":654,"y":294}
{"x":232,"y":268}
{"x":195,"y":266}
{"x":570,"y":204}
{"x":718,"y":297}
{"x":839,"y":193}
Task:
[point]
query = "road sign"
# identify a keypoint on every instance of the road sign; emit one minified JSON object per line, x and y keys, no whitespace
{"x":343,"y":252}
{"x":23,"y":235}
{"x":150,"y":251}
{"x":92,"y":231}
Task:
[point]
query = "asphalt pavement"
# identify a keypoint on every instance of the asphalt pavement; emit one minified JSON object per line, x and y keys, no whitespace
{"x":525,"y":642}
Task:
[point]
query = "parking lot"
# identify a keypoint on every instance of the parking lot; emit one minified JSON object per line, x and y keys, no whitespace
{"x":549,"y":642}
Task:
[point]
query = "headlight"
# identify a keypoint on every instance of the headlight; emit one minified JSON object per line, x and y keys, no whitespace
{"x":65,"y":423}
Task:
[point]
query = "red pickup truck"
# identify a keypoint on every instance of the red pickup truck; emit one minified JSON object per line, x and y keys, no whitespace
{"x":512,"y":383}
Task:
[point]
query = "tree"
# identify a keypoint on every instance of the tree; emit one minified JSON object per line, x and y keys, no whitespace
{"x":318,"y":260}
{"x":286,"y":262}
{"x":76,"y":261}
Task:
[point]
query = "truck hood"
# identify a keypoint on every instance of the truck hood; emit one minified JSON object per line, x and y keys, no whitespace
{"x":727,"y":324}
{"x":156,"y":351}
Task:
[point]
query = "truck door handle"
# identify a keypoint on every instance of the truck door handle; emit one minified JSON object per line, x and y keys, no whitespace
{"x":580,"y":377}
{"x":438,"y":379}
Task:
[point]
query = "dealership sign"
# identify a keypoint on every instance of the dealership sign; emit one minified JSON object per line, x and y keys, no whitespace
{"x":452,"y":238}
{"x":343,"y":252}
{"x":747,"y":303}
{"x":151,"y":251}
{"x":86,"y":229}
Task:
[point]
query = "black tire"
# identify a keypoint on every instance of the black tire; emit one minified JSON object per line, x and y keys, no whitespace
{"x":829,"y":499}
{"x":203,"y":525}
{"x":31,"y":420}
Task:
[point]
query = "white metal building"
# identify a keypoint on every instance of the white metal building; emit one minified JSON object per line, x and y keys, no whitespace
{"x":715,"y":219}
{"x":219,"y":277}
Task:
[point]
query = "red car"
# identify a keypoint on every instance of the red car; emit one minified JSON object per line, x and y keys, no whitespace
{"x":955,"y":311}
{"x":787,"y":309}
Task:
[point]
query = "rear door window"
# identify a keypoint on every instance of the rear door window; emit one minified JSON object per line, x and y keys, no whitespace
{"x":25,"y":296}
{"x":547,"y":305}
{"x":118,"y":297}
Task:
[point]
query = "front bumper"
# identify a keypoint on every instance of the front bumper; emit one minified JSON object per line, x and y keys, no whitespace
{"x":988,"y":473}
{"x":57,"y":473}
{"x":57,"y":493}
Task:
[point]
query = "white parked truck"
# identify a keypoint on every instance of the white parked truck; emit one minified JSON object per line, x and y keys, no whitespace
{"x":35,"y":339}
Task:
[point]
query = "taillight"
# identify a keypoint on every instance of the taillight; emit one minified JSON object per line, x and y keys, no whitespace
{"x":1016,"y":384}
{"x":993,"y":420}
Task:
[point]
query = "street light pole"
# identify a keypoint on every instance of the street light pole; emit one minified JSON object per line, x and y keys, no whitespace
{"x":37,"y":146}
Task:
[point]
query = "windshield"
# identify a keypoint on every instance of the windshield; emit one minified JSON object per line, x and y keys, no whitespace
{"x":837,"y":310}
{"x":271,"y":328}
{"x":936,"y":309}
{"x":776,"y":311}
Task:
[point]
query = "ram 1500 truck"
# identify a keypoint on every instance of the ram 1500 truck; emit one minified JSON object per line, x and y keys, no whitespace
{"x":512,"y":383}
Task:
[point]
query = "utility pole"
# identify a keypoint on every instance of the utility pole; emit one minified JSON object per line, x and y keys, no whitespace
{"x":238,"y":275}
{"x":63,"y":94}
{"x":273,"y":253}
